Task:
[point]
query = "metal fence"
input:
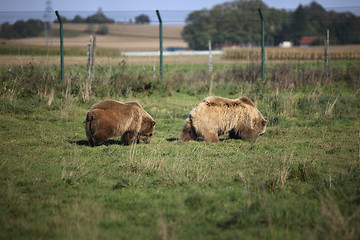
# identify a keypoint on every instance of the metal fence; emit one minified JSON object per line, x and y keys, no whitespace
{"x":119,"y":38}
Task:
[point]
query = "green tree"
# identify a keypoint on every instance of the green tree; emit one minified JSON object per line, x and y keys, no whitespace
{"x":99,"y":17}
{"x":237,"y":22}
{"x":22,"y":29}
{"x":344,"y":29}
{"x":90,"y":29}
{"x":231,"y":23}
{"x":196,"y":38}
{"x":6,"y":31}
{"x":78,"y":19}
{"x":309,"y":20}
{"x":142,"y":19}
{"x":102,"y":30}
{"x":64,"y":20}
{"x":299,"y":24}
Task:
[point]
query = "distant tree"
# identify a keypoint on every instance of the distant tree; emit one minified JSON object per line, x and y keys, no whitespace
{"x":22,"y":29}
{"x":344,"y":29}
{"x":309,"y":20}
{"x":90,"y":29}
{"x":99,"y":17}
{"x":231,"y":23}
{"x":102,"y":30}
{"x":78,"y":19}
{"x":64,"y":20}
{"x":198,"y":31}
{"x":6,"y":31}
{"x":318,"y":42}
{"x":299,"y":24}
{"x":238,"y":23}
{"x":142,"y":19}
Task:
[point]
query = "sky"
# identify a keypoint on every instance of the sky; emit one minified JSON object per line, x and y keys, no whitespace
{"x":149,"y":6}
{"x":132,"y":5}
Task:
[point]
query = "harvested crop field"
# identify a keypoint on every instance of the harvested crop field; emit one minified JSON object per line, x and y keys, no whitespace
{"x":124,"y":37}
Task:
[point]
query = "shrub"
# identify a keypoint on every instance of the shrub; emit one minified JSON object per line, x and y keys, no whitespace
{"x":102,"y":30}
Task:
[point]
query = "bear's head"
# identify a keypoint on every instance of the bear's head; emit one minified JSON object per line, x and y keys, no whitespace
{"x":254,"y":126}
{"x":147,"y":130}
{"x":247,"y":132}
{"x":259,"y":125}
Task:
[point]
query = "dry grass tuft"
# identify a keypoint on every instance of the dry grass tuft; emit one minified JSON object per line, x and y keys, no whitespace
{"x":330,"y":107}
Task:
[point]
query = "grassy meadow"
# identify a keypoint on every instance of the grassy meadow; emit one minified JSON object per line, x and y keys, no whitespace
{"x":300,"y":180}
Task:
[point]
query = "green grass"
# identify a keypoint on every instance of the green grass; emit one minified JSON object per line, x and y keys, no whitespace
{"x":299,"y":181}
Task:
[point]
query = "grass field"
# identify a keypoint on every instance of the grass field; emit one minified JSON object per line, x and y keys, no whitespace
{"x":301,"y":180}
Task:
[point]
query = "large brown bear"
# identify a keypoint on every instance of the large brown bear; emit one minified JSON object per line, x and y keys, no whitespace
{"x":215,"y":116}
{"x":111,"y":118}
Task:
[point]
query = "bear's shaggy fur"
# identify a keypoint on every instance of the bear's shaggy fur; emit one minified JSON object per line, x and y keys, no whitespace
{"x":215,"y":116}
{"x":111,"y":118}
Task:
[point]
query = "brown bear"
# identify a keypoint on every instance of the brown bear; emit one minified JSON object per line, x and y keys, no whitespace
{"x":215,"y":116}
{"x":111,"y":118}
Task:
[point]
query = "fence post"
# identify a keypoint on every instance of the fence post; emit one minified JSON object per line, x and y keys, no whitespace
{"x":262,"y":46}
{"x":61,"y":46}
{"x":93,"y":57}
{"x":327,"y":54}
{"x":86,"y":91}
{"x":210,"y":58}
{"x":89,"y":59}
{"x":161,"y":48}
{"x":210,"y":70}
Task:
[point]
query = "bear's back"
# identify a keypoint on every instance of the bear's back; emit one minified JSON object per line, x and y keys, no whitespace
{"x":220,"y":101}
{"x":107,"y":104}
{"x":112,"y":105}
{"x":141,"y":110}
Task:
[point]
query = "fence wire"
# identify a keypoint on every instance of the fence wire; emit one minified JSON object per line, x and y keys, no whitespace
{"x":34,"y":37}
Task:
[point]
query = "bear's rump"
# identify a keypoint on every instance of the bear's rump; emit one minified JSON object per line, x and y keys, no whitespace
{"x":214,"y":119}
{"x":108,"y":121}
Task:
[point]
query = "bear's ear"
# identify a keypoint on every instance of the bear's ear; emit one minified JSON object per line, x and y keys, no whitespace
{"x":247,"y":101}
{"x":264,"y":122}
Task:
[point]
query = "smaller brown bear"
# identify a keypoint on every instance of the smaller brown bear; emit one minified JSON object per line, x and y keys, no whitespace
{"x":215,"y":116}
{"x":111,"y":118}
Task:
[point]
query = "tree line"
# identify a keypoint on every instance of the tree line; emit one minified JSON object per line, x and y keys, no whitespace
{"x":238,"y":23}
{"x":99,"y":17}
{"x":22,"y":29}
{"x":34,"y":27}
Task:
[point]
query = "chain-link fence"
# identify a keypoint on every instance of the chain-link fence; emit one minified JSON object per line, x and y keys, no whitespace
{"x":133,"y":37}
{"x":119,"y":52}
{"x":34,"y":36}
